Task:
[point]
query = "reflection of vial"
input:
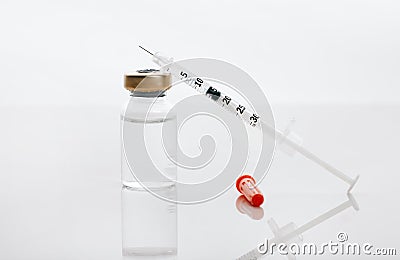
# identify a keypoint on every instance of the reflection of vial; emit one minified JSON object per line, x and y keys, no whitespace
{"x":149,"y":223}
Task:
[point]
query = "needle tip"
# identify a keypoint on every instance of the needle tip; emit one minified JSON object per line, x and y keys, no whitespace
{"x":146,"y":50}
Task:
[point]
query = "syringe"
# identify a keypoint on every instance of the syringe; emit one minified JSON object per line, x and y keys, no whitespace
{"x":241,"y":111}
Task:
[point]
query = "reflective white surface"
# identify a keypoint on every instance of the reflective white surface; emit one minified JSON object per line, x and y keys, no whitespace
{"x":60,"y":185}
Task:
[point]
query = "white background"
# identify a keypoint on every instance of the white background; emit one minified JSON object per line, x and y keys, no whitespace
{"x":333,"y":65}
{"x":75,"y":52}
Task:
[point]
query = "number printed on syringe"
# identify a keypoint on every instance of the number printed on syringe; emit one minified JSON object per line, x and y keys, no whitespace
{"x":226,"y":101}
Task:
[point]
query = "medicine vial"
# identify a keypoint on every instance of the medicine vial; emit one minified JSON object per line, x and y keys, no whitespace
{"x":149,"y":222}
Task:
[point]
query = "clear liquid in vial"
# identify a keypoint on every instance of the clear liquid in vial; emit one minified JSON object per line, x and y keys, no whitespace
{"x":149,"y":223}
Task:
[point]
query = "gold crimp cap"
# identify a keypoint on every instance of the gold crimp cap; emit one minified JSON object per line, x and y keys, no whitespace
{"x":147,"y":81}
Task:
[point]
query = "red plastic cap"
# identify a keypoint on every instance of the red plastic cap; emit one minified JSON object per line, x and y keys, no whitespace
{"x":240,"y":179}
{"x":257,"y":200}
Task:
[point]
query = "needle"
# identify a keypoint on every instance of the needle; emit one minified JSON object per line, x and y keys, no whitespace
{"x":146,"y":50}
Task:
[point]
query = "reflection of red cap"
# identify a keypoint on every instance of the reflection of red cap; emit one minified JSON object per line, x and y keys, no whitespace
{"x":240,"y":179}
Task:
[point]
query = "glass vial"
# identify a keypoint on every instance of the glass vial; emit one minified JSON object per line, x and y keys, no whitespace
{"x":149,"y":213}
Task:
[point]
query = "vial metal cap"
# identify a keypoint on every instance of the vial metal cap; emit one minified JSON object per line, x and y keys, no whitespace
{"x":147,"y":81}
